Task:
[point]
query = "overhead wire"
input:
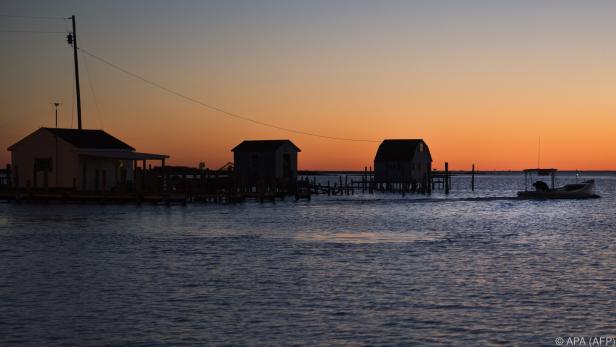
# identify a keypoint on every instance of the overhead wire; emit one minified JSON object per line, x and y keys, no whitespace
{"x":91,"y":85}
{"x":32,"y":32}
{"x":215,"y":108}
{"x":168,"y":90}
{"x":73,"y":102}
{"x":30,"y":17}
{"x":4,"y":15}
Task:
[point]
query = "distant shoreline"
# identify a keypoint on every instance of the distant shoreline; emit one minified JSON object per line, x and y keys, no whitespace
{"x":453,"y":172}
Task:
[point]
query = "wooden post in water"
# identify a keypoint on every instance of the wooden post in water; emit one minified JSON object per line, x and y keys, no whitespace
{"x":446,"y":178}
{"x":9,"y":178}
{"x":473,"y":179}
{"x":365,"y":180}
{"x":371,"y":181}
{"x":143,"y":178}
{"x":163,"y":183}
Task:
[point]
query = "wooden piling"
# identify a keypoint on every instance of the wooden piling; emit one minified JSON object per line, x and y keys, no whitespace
{"x":446,"y":178}
{"x":473,"y":178}
{"x":364,"y":180}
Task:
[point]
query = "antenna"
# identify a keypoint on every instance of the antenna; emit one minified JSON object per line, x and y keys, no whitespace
{"x":56,"y":104}
{"x":71,"y":38}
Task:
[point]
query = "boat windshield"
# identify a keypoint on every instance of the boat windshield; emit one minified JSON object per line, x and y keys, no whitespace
{"x":531,"y":181}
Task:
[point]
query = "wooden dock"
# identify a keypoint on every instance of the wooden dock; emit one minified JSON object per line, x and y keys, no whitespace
{"x":182,"y":185}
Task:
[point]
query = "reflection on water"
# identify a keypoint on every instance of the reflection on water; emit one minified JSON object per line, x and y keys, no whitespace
{"x":362,"y":270}
{"x":368,"y":237}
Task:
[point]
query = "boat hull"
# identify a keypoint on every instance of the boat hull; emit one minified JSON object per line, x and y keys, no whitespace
{"x":584,"y":190}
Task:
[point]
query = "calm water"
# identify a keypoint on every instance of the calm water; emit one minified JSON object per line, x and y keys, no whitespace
{"x":354,"y":270}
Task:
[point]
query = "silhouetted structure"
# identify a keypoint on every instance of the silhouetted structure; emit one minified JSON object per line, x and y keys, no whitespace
{"x":86,"y":160}
{"x":265,"y":162}
{"x":404,"y":164}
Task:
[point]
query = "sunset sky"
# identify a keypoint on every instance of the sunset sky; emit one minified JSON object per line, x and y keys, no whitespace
{"x":479,"y":81}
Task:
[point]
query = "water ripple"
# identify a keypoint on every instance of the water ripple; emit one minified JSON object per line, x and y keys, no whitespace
{"x":471,"y":268}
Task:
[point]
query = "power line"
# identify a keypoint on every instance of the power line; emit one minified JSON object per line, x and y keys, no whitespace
{"x":218,"y":109}
{"x":91,"y":84}
{"x":32,"y":32}
{"x":29,"y":17}
{"x":73,"y":102}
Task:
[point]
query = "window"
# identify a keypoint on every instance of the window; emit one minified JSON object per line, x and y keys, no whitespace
{"x":421,"y":149}
{"x":42,"y":164}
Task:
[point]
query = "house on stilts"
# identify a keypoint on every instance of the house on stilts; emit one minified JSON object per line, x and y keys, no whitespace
{"x":403,"y":164}
{"x":266,"y":163}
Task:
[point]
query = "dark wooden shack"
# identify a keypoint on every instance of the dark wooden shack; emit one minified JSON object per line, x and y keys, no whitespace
{"x":265,"y":161}
{"x":403,"y":163}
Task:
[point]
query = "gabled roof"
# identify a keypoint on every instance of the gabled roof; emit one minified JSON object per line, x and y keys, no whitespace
{"x":127,"y":155}
{"x":262,"y":146}
{"x":90,"y":139}
{"x":399,"y":150}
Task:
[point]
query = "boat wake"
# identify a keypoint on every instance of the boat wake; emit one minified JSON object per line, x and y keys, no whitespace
{"x":447,"y":200}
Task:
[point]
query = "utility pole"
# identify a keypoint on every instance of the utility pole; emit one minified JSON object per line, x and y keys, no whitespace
{"x":72,"y":39}
{"x":56,"y":104}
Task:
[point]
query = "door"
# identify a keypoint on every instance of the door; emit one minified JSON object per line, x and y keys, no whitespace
{"x":286,"y":166}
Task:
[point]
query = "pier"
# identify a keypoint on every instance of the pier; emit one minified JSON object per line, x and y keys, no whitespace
{"x":181,"y":185}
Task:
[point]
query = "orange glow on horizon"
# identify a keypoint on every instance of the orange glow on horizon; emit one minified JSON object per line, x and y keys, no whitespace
{"x":479,"y":83}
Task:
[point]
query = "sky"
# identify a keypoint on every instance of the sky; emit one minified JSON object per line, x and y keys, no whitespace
{"x":490,"y":83}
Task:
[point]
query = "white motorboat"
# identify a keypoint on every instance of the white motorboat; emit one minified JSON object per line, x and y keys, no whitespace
{"x":583,"y":190}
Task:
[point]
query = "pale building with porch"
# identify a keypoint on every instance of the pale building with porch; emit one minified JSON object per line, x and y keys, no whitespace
{"x":85,"y":160}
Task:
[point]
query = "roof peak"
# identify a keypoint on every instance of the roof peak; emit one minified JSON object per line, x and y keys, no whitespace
{"x":409,"y":140}
{"x":72,"y":129}
{"x":400,"y":149}
{"x":261,"y":145}
{"x":89,"y":138}
{"x":280,"y":140}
